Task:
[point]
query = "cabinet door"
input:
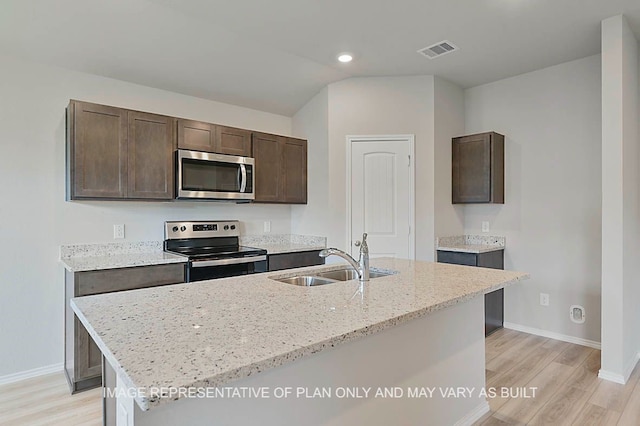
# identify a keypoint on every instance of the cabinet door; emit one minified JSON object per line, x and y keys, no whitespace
{"x":233,"y":141}
{"x":88,"y":358}
{"x":97,"y":144}
{"x":282,"y":261}
{"x":196,"y":135}
{"x":295,"y":170}
{"x":457,"y":258}
{"x":471,"y":169}
{"x":267,"y":151}
{"x":150,"y":159}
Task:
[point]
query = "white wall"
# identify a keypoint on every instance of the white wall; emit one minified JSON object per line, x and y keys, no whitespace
{"x":311,"y":122}
{"x":35,"y":220}
{"x":430,"y":108}
{"x":620,"y":200}
{"x":552,"y":212}
{"x":382,"y":106}
{"x":448,"y":123}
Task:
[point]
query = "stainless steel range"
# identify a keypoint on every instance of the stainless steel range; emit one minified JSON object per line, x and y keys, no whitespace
{"x":213,"y":249}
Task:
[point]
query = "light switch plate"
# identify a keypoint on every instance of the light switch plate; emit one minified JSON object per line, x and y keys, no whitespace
{"x":118,"y":231}
{"x":267,"y":226}
{"x":485,"y":226}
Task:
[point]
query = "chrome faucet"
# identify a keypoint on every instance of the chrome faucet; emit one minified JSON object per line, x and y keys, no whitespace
{"x":362,"y":265}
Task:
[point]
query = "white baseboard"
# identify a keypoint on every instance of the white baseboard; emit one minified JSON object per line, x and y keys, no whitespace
{"x":23,"y":375}
{"x":620,"y":378}
{"x":474,"y":415}
{"x":611,"y":377}
{"x":553,"y":335}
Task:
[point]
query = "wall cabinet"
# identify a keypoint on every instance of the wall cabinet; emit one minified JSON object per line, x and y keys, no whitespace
{"x":281,"y":261}
{"x":199,"y":136}
{"x":83,"y":359}
{"x":494,"y":301}
{"x":114,"y":153}
{"x":478,"y":169}
{"x":119,"y":154}
{"x":281,"y":169}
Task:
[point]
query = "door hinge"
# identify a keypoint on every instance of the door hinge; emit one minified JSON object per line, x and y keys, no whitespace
{"x":408,"y":160}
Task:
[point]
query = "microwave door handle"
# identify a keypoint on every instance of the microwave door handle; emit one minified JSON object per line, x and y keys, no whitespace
{"x":243,"y":181}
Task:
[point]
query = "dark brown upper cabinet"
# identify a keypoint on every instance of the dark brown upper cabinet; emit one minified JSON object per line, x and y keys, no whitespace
{"x":150,"y":160}
{"x":478,"y":169}
{"x":232,"y":141}
{"x":196,"y":135}
{"x":114,"y":153}
{"x":96,"y":150}
{"x":280,"y":170}
{"x":294,"y":157}
{"x":199,"y":136}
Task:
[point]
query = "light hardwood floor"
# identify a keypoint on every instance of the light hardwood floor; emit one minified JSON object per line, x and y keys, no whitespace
{"x":569,"y":391}
{"x":565,"y":375}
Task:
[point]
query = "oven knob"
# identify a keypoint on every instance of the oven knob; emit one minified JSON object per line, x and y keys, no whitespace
{"x":175,"y":229}
{"x":183,"y":228}
{"x":233,"y":227}
{"x":226,"y":227}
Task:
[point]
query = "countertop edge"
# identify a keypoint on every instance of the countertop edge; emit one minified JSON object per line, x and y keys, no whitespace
{"x":471,"y":249}
{"x":101,"y":263}
{"x":141,"y":401}
{"x":268,"y":363}
{"x":274,"y":249}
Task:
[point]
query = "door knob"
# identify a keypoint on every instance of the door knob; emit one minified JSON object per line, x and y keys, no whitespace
{"x":357,"y":243}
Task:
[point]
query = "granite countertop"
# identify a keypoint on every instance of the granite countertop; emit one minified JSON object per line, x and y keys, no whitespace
{"x":471,"y":243}
{"x":95,"y":263}
{"x":94,"y":257}
{"x":284,"y":243}
{"x":212,"y":332}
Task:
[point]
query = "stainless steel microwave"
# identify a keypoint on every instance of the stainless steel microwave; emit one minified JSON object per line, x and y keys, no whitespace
{"x":204,"y":175}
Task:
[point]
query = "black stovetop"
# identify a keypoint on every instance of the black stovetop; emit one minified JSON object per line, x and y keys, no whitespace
{"x":217,"y":252}
{"x":211,"y":248}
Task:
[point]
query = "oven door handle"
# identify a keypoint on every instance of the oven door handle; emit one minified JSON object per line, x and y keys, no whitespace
{"x":243,"y":178}
{"x":222,"y":262}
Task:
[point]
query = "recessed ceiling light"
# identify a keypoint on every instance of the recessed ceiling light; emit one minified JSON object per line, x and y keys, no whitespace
{"x":345,"y":57}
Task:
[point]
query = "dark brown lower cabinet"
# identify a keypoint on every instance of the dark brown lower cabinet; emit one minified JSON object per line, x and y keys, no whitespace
{"x":82,"y":358}
{"x":494,"y":301}
{"x":298,"y":259}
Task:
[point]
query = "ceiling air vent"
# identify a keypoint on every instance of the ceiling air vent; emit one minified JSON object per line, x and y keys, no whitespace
{"x":438,"y":49}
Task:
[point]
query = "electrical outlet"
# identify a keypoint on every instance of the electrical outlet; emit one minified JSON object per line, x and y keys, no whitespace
{"x":267,"y":226}
{"x":544,"y":299}
{"x":485,"y":226}
{"x":118,"y":231}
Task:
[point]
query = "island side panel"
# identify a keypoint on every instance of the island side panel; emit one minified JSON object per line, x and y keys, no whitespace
{"x":437,"y":351}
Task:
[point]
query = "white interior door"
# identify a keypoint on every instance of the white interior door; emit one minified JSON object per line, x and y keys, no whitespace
{"x":381,"y":196}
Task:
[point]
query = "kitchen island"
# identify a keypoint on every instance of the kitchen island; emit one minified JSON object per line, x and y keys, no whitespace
{"x":253,"y":350}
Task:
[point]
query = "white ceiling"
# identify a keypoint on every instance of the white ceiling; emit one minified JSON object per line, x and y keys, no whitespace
{"x":274,"y":55}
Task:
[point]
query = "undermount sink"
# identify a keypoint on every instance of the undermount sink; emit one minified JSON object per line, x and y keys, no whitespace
{"x":349,"y":274}
{"x":328,"y":277}
{"x":306,"y":280}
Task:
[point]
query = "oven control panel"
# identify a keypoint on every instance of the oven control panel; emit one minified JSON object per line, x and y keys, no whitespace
{"x":201,"y":229}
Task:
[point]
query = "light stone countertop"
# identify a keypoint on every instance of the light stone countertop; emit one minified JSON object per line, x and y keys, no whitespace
{"x":284,"y":243}
{"x":471,"y":243}
{"x":94,"y":257}
{"x":210,"y":333}
{"x":95,"y":263}
{"x":289,"y":248}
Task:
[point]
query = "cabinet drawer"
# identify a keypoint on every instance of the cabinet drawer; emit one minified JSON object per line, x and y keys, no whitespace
{"x":294,"y":260}
{"x":110,"y":280}
{"x":457,"y":258}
